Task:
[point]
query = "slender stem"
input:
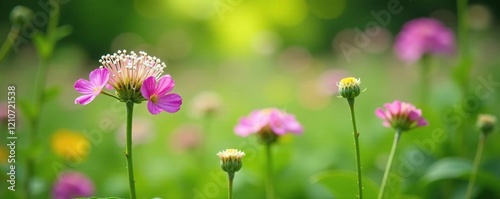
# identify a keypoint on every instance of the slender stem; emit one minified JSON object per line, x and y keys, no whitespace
{"x":356,"y":144}
{"x":388,"y":167}
{"x":230,"y":176}
{"x":11,"y":38}
{"x":109,"y":94}
{"x":462,"y":72}
{"x":269,"y":181}
{"x":475,"y":167}
{"x":424,"y":79}
{"x":128,"y":151}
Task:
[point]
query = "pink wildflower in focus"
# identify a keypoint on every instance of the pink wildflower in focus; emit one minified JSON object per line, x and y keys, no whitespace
{"x":401,"y":115}
{"x":270,"y":120}
{"x":72,"y":185}
{"x":158,"y":97}
{"x":90,"y":89}
{"x":423,"y":36}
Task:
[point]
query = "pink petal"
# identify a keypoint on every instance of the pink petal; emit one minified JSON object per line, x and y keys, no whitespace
{"x":84,"y":87}
{"x":244,"y":127}
{"x":413,"y":115}
{"x":165,"y":85}
{"x":148,"y":87}
{"x":380,"y":114}
{"x":84,"y":99}
{"x":99,"y":77}
{"x":395,"y":107}
{"x":293,"y":125}
{"x":277,"y":124}
{"x":109,"y":87}
{"x":152,"y":108}
{"x":170,"y":102}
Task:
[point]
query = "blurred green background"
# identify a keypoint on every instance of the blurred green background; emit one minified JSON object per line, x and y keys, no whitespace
{"x":257,"y":54}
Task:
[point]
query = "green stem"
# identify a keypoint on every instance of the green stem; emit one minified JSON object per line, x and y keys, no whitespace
{"x":11,"y":37}
{"x":128,"y":151}
{"x":230,"y":176}
{"x":475,"y":167}
{"x":388,"y":167}
{"x":424,"y":79}
{"x":356,"y":144}
{"x":109,"y":94}
{"x":269,"y":181}
{"x":462,"y":72}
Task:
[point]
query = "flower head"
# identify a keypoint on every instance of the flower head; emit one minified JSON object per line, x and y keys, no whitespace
{"x":206,"y":103}
{"x":72,"y":185}
{"x":230,"y":160}
{"x":401,"y":115}
{"x":423,"y":36}
{"x":158,"y":97}
{"x":70,"y":145}
{"x":349,"y":87}
{"x":268,"y":124}
{"x":90,"y":89}
{"x":486,"y":123}
{"x":129,"y":71}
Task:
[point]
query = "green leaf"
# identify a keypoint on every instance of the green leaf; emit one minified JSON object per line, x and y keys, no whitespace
{"x":458,"y":168}
{"x":51,"y":93}
{"x":41,"y":44}
{"x":27,"y":109}
{"x":447,"y":168}
{"x":61,"y":32}
{"x":343,"y":184}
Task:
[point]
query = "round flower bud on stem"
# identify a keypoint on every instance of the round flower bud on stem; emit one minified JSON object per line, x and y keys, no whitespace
{"x":230,"y":160}
{"x":21,"y":15}
{"x":349,"y":87}
{"x":486,"y":123}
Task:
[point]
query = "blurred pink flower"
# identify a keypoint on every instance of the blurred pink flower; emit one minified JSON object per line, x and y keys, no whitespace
{"x":158,"y":97}
{"x":265,"y":120}
{"x":327,"y":81}
{"x":72,"y":185}
{"x":423,"y":36}
{"x":401,"y":115}
{"x":206,"y":103}
{"x":90,"y":89}
{"x":185,"y":138}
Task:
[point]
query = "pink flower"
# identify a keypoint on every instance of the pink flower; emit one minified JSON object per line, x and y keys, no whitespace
{"x":157,"y":96}
{"x":90,"y":89}
{"x":401,"y":115}
{"x":265,"y":120}
{"x":72,"y":185}
{"x":423,"y":36}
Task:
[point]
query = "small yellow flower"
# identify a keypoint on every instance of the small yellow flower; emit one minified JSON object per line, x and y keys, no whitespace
{"x":230,"y":160}
{"x":70,"y":145}
{"x":349,"y":87}
{"x":486,"y":123}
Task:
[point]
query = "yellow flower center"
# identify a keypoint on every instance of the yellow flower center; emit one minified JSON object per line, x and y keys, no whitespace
{"x":349,"y":82}
{"x":154,"y":98}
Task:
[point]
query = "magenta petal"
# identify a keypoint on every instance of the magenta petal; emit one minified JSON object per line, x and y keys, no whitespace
{"x":152,"y":108}
{"x":170,"y":102}
{"x":84,"y":99}
{"x":148,"y":87}
{"x":83,"y":86}
{"x":99,"y":77}
{"x":165,"y":85}
{"x":422,"y":122}
{"x":395,"y":107}
{"x":413,"y":115}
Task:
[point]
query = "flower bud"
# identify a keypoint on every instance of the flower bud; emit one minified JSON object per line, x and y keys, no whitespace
{"x":486,"y":123}
{"x":230,"y":160}
{"x":349,"y":87}
{"x":21,"y":15}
